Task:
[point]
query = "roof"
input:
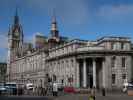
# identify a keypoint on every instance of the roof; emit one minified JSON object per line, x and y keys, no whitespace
{"x":112,"y":37}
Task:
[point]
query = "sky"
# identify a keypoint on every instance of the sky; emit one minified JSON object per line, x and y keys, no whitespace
{"x":83,"y":19}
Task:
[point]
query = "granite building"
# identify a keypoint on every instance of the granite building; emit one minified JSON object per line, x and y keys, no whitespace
{"x":105,"y":62}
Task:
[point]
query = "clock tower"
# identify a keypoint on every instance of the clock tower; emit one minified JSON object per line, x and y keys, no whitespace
{"x":15,"y":38}
{"x":15,"y":34}
{"x":15,"y":43}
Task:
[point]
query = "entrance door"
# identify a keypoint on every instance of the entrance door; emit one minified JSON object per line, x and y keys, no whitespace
{"x":90,"y":73}
{"x":90,"y":81}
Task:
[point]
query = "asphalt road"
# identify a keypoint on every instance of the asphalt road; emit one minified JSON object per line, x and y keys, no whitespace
{"x":86,"y":97}
{"x":69,"y":97}
{"x":24,"y":98}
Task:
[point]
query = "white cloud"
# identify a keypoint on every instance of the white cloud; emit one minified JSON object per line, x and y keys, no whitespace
{"x":118,"y":12}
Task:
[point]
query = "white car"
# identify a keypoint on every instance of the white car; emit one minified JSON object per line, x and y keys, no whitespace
{"x":29,"y":86}
{"x":126,"y":85}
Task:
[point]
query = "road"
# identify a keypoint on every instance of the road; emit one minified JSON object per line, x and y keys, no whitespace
{"x":69,"y":97}
{"x":86,"y":97}
{"x":24,"y":98}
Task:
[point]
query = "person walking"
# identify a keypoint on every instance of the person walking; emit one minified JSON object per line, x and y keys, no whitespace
{"x":36,"y":91}
{"x":92,"y":95}
{"x":103,"y":92}
{"x":55,"y":89}
{"x":41,"y":91}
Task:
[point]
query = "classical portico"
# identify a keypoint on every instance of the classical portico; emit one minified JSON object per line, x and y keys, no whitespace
{"x":91,"y":72}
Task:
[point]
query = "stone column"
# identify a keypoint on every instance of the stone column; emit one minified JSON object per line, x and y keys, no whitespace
{"x":84,"y":73}
{"x":103,"y":73}
{"x":94,"y":73}
{"x":78,"y":72}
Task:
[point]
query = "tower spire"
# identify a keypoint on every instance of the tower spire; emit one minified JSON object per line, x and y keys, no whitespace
{"x":16,"y":18}
{"x":54,"y":29}
{"x":54,"y":24}
{"x":54,"y":17}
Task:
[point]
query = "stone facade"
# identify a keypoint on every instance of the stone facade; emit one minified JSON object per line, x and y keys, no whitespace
{"x":106,"y":62}
{"x":64,"y":63}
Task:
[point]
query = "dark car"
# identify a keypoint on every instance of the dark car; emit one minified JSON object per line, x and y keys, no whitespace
{"x":2,"y":89}
{"x":11,"y":88}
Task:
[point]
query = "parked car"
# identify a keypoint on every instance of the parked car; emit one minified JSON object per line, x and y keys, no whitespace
{"x":69,"y":89}
{"x":2,"y":89}
{"x":11,"y":88}
{"x":29,"y":86}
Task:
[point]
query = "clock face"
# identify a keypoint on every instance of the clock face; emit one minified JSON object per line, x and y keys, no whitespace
{"x":16,"y":34}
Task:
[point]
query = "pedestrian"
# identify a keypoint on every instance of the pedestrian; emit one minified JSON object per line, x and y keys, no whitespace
{"x":55,"y":89}
{"x":38,"y":91}
{"x":92,"y":95}
{"x":46,"y":91}
{"x":41,"y":91}
{"x":103,"y":92}
{"x":25,"y":90}
{"x":35,"y":91}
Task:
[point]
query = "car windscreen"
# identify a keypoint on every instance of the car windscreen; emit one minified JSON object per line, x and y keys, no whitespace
{"x":11,"y":85}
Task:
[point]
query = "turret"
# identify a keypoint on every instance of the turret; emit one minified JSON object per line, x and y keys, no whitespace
{"x":54,"y":38}
{"x":54,"y":29}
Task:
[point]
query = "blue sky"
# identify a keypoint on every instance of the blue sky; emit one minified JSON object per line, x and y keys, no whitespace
{"x":84,"y":19}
